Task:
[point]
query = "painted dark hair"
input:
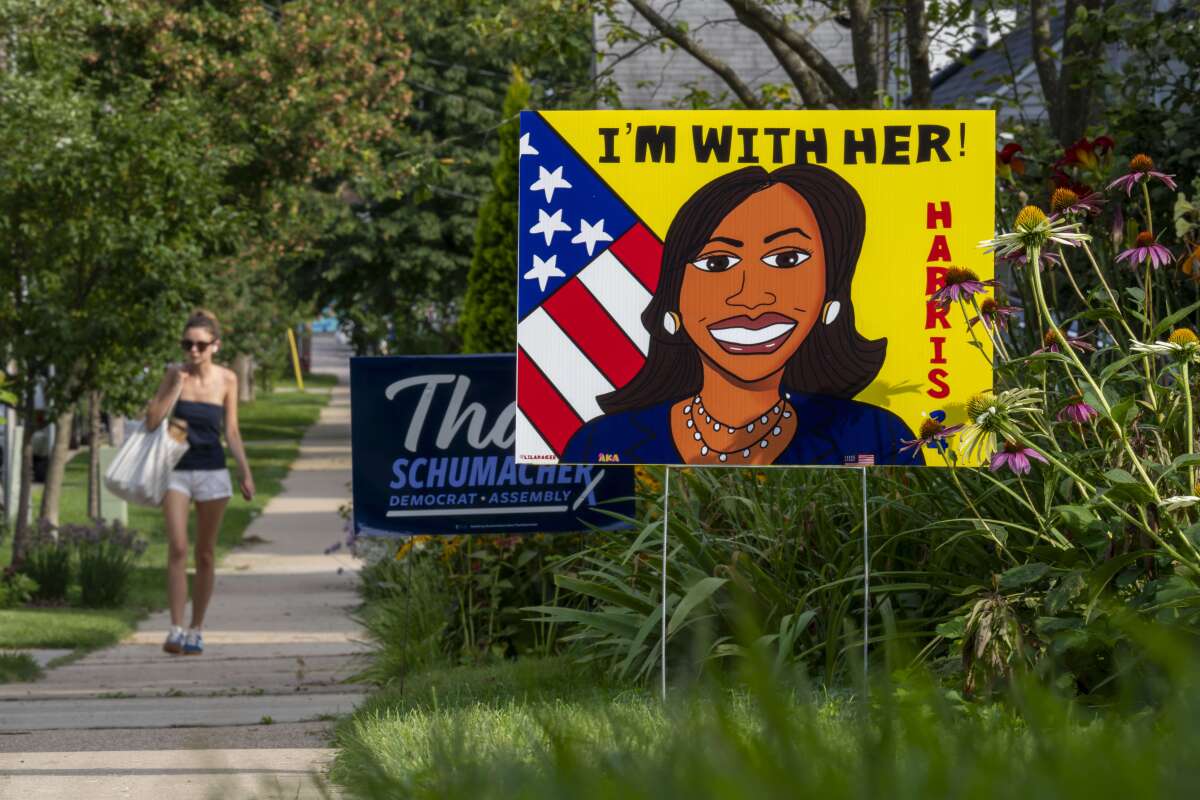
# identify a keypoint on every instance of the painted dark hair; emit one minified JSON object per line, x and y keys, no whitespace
{"x":833,"y":360}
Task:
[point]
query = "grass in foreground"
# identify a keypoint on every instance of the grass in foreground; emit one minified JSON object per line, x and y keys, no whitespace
{"x":18,"y":668}
{"x":274,"y":423}
{"x":549,"y":730}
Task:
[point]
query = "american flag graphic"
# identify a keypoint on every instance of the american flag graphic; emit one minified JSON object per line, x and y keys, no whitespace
{"x":587,"y":269}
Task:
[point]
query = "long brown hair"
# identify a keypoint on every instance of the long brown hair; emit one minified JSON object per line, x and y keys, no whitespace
{"x":834,"y":359}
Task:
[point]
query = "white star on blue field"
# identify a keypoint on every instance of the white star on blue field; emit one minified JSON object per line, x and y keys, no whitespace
{"x":567,"y":215}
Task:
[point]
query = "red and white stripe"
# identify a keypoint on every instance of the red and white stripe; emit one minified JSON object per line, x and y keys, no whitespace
{"x":586,"y":339}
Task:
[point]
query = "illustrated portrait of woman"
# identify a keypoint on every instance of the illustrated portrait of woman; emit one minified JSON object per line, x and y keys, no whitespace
{"x":754,"y":357}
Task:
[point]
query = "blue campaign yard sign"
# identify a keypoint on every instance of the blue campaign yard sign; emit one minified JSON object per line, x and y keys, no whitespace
{"x":432,"y":440}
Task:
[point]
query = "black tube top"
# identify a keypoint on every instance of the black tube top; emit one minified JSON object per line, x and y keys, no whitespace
{"x":204,"y":422}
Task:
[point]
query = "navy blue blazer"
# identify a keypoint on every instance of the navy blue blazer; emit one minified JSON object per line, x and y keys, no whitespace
{"x":829,"y":430}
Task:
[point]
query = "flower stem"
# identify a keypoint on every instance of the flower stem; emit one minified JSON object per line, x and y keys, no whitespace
{"x":1078,"y":293}
{"x":1040,"y":298}
{"x":1191,"y":432}
{"x":994,"y":335}
{"x":1088,"y":489}
{"x":967,"y":322}
{"x":1147,"y":300}
{"x":1112,"y":298}
{"x":962,"y":491}
{"x":1146,"y":202}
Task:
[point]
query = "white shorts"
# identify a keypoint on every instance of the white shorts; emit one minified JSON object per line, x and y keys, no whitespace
{"x":201,"y":485}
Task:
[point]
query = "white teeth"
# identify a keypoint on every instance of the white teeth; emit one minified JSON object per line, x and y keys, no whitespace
{"x":751,"y":336}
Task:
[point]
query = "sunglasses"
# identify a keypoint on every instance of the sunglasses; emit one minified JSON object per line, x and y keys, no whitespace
{"x":188,"y":344}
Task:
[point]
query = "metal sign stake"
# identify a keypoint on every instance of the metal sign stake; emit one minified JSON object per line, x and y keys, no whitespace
{"x":866,"y":573}
{"x":666,"y":513}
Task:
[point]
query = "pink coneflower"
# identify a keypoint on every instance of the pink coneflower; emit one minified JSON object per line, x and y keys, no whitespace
{"x":1050,"y":343}
{"x":1141,"y":166}
{"x":1146,"y":249}
{"x":1008,"y":162}
{"x":1046,"y":258}
{"x":1065,"y":202}
{"x":1016,"y":458}
{"x":992,"y":314}
{"x":961,"y":284}
{"x":1077,"y":411}
{"x":932,"y":433}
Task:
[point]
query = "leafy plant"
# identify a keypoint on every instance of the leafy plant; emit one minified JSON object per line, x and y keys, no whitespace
{"x":48,"y":563}
{"x":16,"y":588}
{"x":107,"y":555}
{"x":1090,"y":495}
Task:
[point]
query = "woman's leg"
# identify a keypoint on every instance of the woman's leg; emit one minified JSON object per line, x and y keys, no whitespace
{"x":175,"y":512}
{"x":208,"y":525}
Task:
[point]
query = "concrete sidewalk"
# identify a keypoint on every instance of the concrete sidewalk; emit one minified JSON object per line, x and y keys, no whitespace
{"x":252,"y":716}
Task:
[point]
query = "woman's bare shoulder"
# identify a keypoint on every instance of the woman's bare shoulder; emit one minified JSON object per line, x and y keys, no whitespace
{"x":228,"y":378}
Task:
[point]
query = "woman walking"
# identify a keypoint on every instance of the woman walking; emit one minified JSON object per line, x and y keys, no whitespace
{"x":205,"y":395}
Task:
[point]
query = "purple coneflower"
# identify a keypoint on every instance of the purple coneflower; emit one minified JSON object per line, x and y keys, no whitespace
{"x":992,"y":314}
{"x":1077,"y":411}
{"x":1141,"y":166}
{"x":1146,"y":249}
{"x":1016,"y":458}
{"x":1046,"y":258}
{"x":1051,"y":342}
{"x":1065,"y":202}
{"x":961,"y":284}
{"x":932,"y":432}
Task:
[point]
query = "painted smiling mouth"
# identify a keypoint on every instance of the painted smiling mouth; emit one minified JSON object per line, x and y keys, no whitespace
{"x":743,"y":335}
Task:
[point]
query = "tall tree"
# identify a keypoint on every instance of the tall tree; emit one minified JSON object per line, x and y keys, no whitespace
{"x":489,"y":312}
{"x":411,"y":228}
{"x":153,"y":147}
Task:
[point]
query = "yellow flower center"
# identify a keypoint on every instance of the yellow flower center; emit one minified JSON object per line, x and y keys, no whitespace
{"x":1183,"y":336}
{"x":931,"y":427}
{"x":1145,"y":239}
{"x":1050,"y":338}
{"x":1030,"y":217}
{"x":1141,"y":163}
{"x":1063,"y":198}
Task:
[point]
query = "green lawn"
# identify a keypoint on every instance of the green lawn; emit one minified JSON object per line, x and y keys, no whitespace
{"x":547,"y":729}
{"x":274,"y":423}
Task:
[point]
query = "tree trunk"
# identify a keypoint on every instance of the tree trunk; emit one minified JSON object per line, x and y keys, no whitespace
{"x":916,"y":39}
{"x":93,"y":495}
{"x":1043,"y":59}
{"x":862,"y":43}
{"x":21,"y":532}
{"x":116,"y":430}
{"x":57,"y":466}
{"x":243,"y":365}
{"x":1080,"y":72}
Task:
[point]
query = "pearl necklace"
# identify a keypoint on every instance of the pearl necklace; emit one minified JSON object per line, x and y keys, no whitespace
{"x":771,"y":427}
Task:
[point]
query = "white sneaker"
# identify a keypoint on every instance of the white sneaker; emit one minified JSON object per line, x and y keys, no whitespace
{"x":193,"y":644}
{"x":175,"y":641}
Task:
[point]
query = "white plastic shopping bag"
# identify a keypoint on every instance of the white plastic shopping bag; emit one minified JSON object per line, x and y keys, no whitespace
{"x":142,"y":467}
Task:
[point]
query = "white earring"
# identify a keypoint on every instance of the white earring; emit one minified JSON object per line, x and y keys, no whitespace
{"x":671,"y":322}
{"x":831,"y":311}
